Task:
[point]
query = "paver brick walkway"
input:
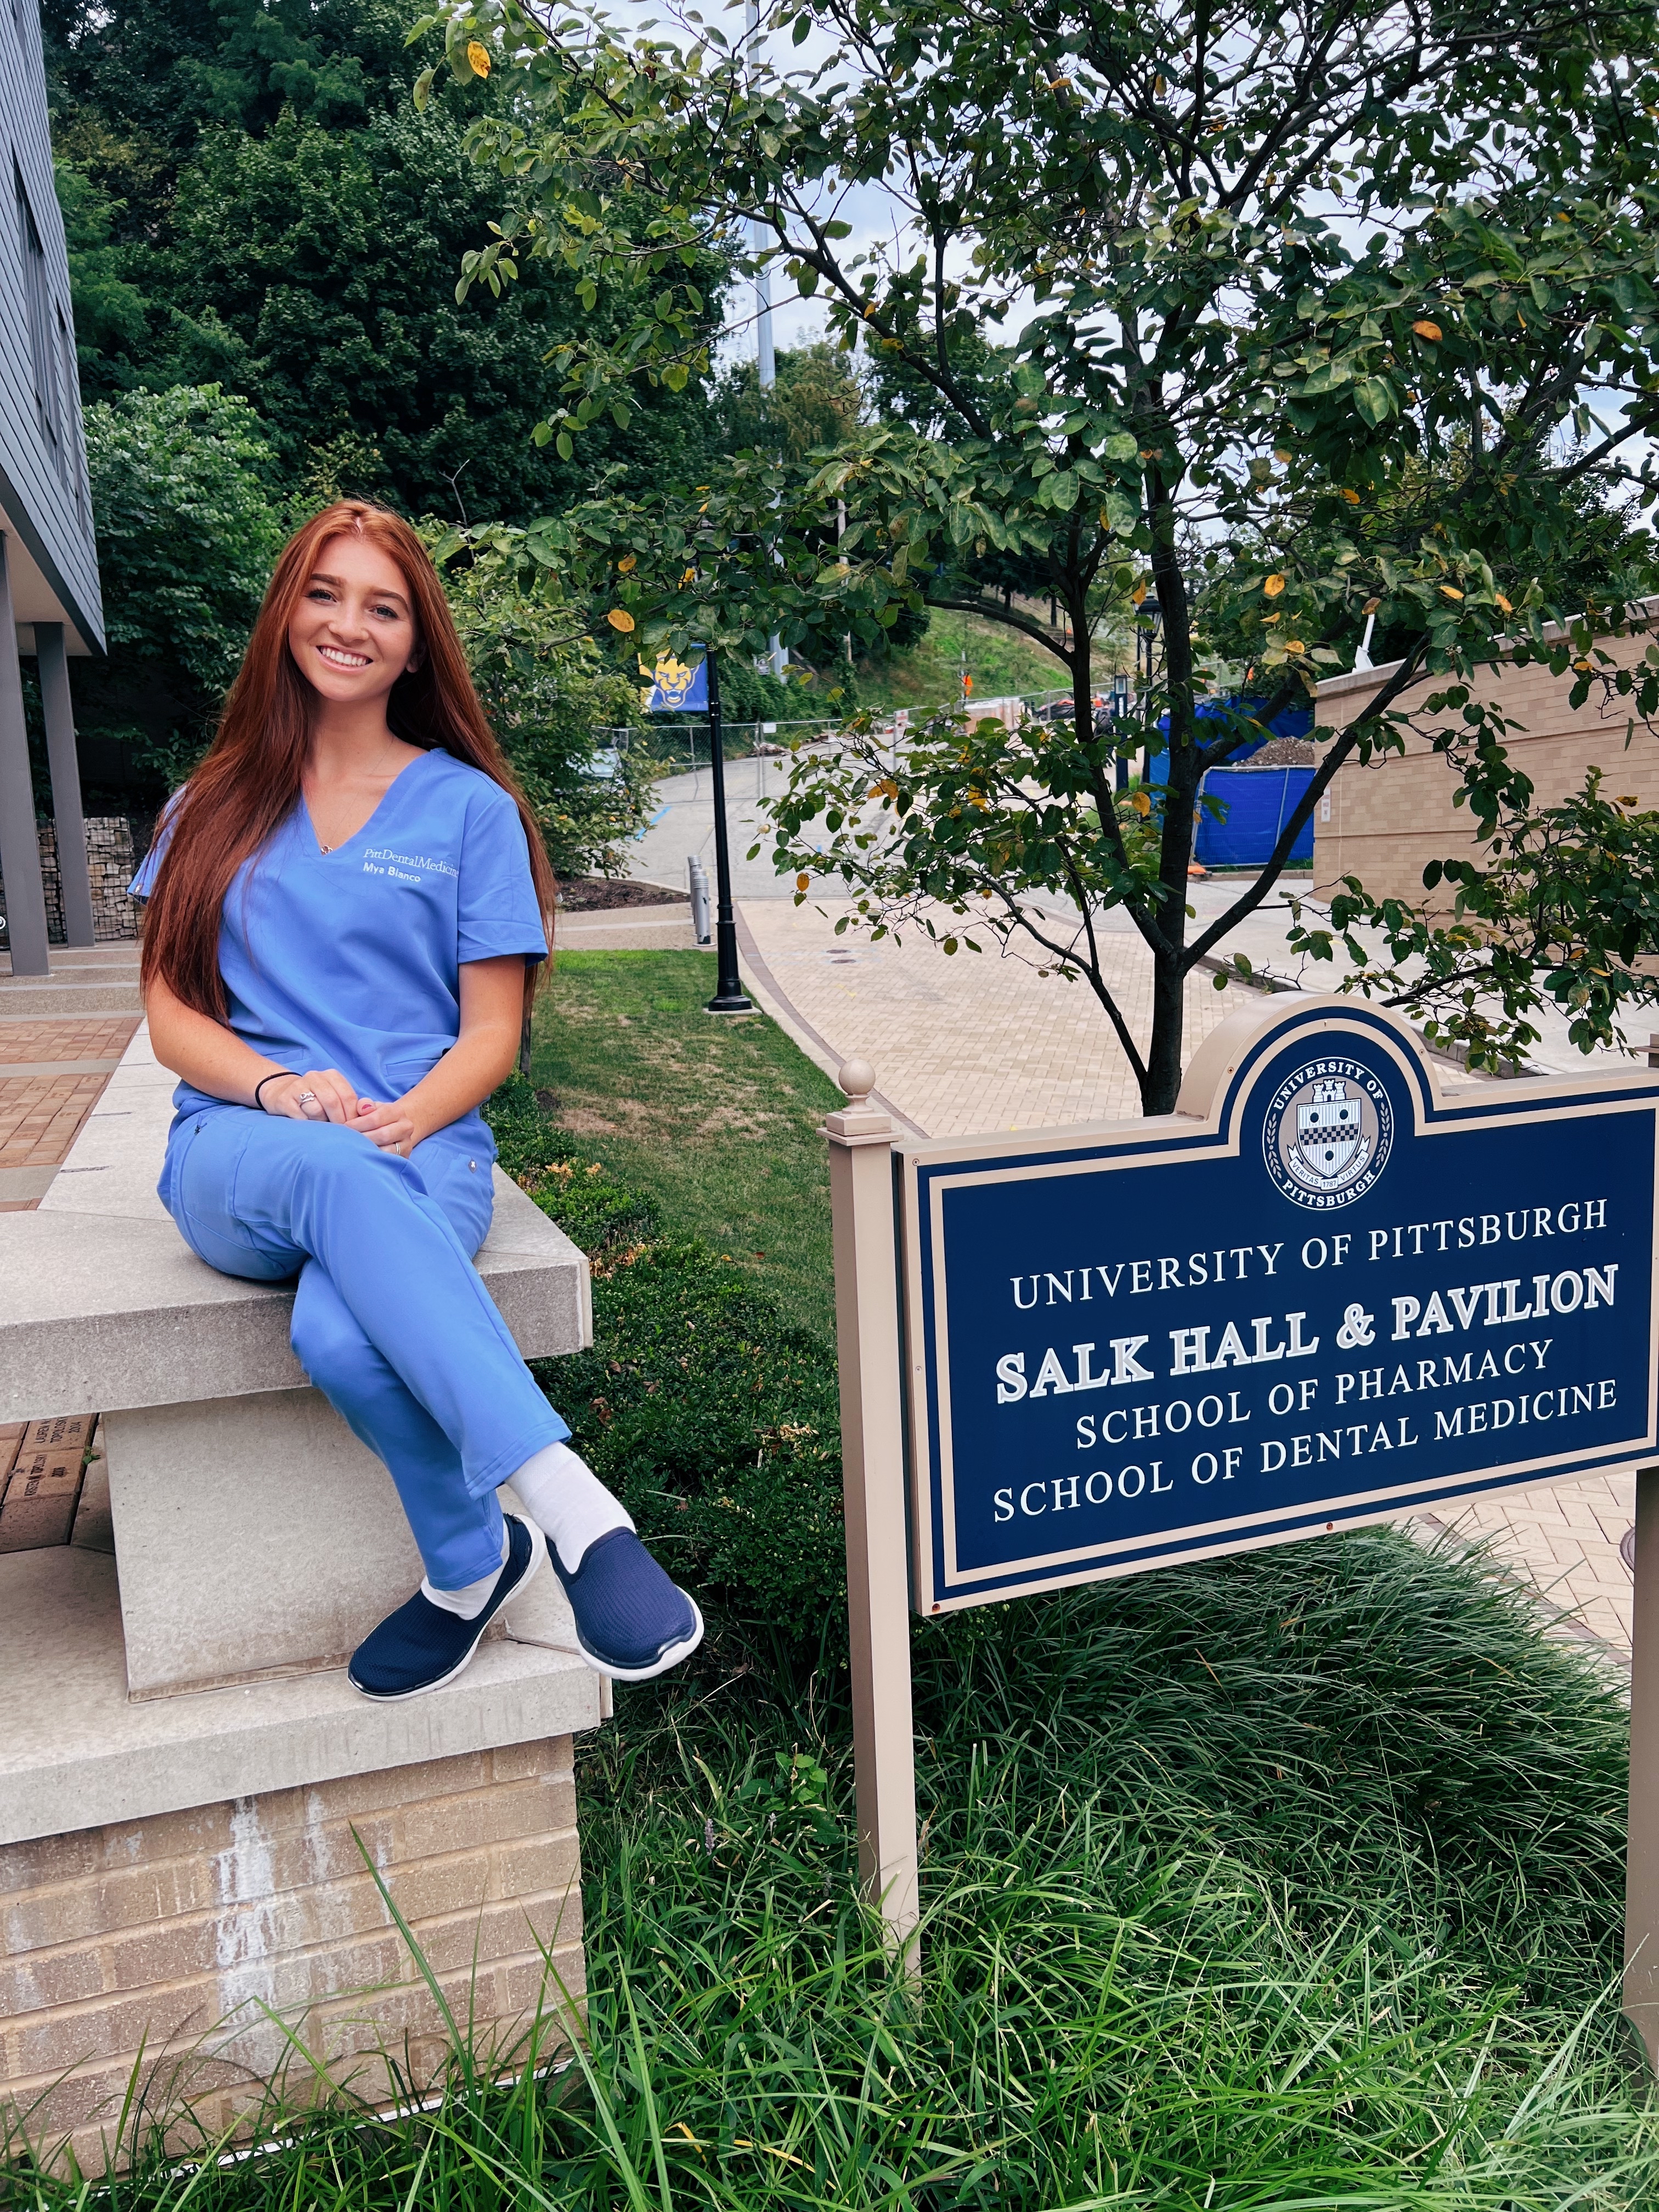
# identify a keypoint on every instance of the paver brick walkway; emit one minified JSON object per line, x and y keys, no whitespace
{"x":966,"y":1043}
{"x":52,"y":1073}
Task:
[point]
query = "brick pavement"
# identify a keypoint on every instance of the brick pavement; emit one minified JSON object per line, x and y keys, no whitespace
{"x":58,"y":1070}
{"x":967,"y":1045}
{"x":970,"y":1043}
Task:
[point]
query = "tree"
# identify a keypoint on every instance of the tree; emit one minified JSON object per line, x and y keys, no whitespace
{"x":250,"y":202}
{"x":184,"y":501}
{"x":551,"y":699}
{"x":1266,"y":265}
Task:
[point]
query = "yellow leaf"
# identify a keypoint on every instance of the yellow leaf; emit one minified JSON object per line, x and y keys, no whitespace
{"x":619,"y":618}
{"x":478,"y":55}
{"x":628,"y":563}
{"x":1294,"y":644}
{"x":1370,"y":606}
{"x":689,"y":577}
{"x":1428,"y":330}
{"x":803,"y":882}
{"x":1352,"y":498}
{"x":1280,"y":454}
{"x":1137,"y":595}
{"x":1450,"y":593}
{"x":1140,"y":802}
{"x":1503,"y":603}
{"x":1271,"y":587}
{"x":1057,"y":83}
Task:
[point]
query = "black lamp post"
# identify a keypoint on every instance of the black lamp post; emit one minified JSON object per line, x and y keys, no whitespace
{"x":1147,"y":631}
{"x":728,"y":997}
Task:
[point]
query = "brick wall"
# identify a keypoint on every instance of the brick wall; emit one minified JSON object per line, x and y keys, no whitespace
{"x":172,"y":1933}
{"x":1387,"y":821}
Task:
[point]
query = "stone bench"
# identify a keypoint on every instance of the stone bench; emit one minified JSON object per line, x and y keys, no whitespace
{"x":183,"y":1658}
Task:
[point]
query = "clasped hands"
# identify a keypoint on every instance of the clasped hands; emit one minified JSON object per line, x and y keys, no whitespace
{"x":324,"y":1095}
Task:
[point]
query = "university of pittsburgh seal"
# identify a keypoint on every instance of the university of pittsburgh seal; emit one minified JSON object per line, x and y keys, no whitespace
{"x":1327,"y":1133}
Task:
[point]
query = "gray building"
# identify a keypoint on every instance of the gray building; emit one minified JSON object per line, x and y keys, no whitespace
{"x":50,"y":605}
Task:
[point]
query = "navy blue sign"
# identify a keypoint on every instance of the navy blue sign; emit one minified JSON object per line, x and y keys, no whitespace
{"x":1337,"y":1286}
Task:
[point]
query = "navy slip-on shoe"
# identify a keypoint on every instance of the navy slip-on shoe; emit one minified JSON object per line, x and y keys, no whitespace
{"x":631,"y":1622}
{"x":420,"y":1647}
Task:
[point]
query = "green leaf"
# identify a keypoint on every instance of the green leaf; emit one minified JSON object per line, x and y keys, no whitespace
{"x":1373,"y":398}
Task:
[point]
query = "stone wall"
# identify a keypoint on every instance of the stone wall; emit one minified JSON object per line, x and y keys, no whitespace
{"x":1385,"y":823}
{"x":173,"y":1933}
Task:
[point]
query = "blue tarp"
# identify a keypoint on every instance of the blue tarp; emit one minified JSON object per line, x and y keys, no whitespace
{"x":1256,"y":802}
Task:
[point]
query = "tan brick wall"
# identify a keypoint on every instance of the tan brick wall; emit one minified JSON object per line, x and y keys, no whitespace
{"x":1387,"y":821}
{"x":172,"y":1935}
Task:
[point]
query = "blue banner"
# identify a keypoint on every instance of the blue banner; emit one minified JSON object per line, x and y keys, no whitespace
{"x":1335,"y":1287}
{"x":678,"y":687}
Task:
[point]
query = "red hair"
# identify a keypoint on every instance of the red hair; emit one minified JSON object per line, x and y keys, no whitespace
{"x":249,"y":783}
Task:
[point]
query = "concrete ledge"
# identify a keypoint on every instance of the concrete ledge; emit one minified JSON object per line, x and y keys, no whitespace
{"x":103,"y":1306}
{"x":75,"y":1753}
{"x":99,"y":1312}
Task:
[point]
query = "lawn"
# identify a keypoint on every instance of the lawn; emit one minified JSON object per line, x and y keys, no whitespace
{"x":929,"y":675}
{"x":1290,"y":1882}
{"x":714,"y":1117}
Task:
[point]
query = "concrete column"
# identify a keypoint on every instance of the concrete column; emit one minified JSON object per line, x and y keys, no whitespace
{"x":60,"y":711}
{"x":20,"y":845}
{"x":872,"y":1484}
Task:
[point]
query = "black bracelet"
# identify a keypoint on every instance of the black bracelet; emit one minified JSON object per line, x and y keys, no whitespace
{"x":273,"y":1076}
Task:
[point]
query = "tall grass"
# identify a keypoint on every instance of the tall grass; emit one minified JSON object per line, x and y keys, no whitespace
{"x":1284,"y":1881}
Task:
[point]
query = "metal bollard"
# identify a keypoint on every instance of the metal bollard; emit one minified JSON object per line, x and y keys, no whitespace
{"x":699,"y":884}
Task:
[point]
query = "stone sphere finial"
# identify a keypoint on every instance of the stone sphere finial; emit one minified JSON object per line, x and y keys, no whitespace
{"x":858,"y":1079}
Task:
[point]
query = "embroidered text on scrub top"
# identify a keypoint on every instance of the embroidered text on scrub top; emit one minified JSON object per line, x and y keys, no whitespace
{"x":351,"y":958}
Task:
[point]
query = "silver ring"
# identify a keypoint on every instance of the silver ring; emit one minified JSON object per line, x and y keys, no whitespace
{"x":306,"y":1098}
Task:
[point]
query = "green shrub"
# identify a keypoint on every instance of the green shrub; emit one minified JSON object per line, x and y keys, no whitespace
{"x":714,"y":1421}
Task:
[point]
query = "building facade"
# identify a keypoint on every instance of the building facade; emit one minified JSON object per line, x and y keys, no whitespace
{"x":1384,"y":822}
{"x":50,"y":605}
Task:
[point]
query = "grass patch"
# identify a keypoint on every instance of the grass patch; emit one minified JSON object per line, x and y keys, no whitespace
{"x":714,"y":1118}
{"x":929,"y":675}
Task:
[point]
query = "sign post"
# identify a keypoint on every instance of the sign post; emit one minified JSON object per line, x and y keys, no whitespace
{"x":1334,"y":1287}
{"x":873,"y":1461}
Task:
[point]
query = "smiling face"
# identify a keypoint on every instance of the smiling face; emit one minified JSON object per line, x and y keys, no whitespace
{"x":353,"y":632}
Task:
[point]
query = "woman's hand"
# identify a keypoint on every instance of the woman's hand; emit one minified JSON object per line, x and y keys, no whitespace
{"x":322,"y":1094}
{"x":391,"y":1127}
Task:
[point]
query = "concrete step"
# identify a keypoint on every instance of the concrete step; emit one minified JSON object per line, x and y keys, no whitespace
{"x":43,"y":998}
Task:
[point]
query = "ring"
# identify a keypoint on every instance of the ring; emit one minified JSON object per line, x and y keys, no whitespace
{"x":306,"y":1098}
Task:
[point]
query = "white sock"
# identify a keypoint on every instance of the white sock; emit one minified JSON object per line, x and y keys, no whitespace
{"x":466,"y":1604}
{"x":567,"y":1502}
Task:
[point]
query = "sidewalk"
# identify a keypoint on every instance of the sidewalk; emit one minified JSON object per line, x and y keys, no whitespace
{"x":61,"y":1039}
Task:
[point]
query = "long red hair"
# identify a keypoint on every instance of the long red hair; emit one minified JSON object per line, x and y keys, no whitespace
{"x":250,"y":782}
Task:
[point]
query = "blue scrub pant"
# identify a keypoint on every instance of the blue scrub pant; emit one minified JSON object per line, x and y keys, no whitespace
{"x":391,"y":1321}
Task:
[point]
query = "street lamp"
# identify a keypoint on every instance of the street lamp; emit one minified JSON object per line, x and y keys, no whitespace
{"x":1148,"y":628}
{"x":728,"y":997}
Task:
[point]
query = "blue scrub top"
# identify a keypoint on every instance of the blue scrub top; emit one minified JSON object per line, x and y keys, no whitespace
{"x":351,"y":959}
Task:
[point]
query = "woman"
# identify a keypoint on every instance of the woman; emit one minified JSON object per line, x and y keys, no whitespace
{"x":348,"y":902}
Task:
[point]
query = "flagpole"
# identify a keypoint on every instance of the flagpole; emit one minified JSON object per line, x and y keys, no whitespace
{"x":728,"y":997}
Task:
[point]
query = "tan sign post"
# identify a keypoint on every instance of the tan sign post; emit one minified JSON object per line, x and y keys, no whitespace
{"x":1336,"y":1286}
